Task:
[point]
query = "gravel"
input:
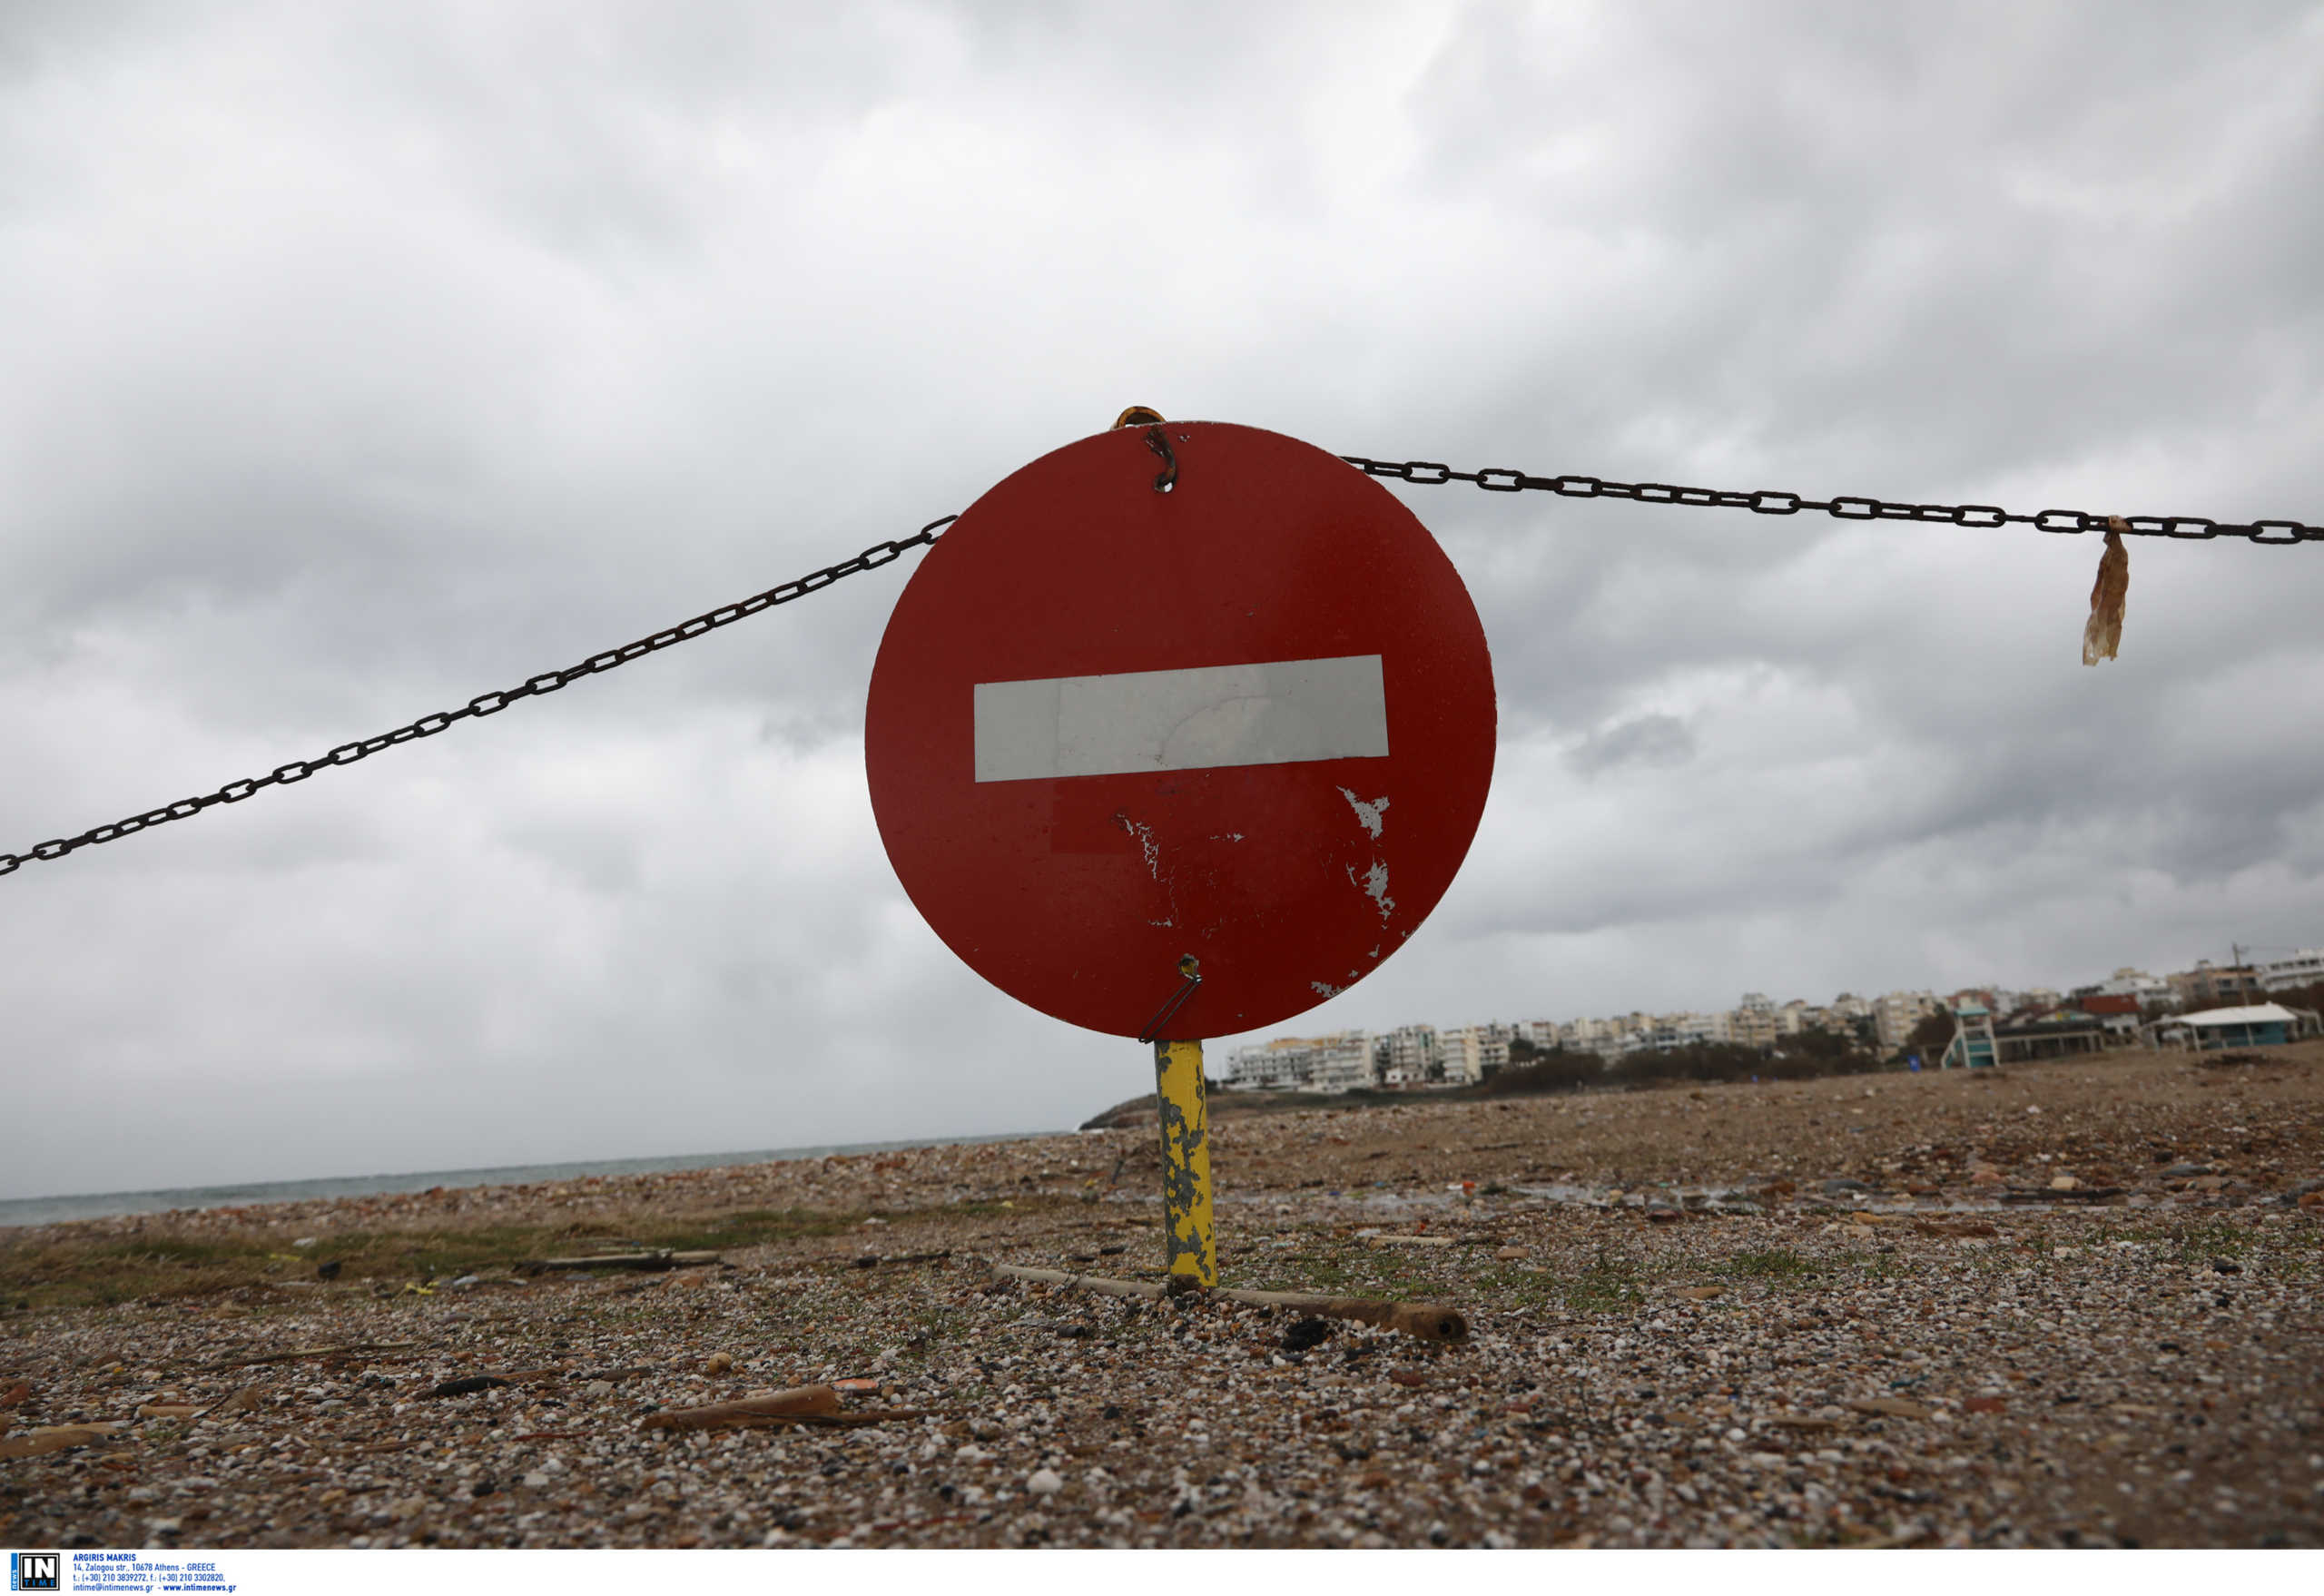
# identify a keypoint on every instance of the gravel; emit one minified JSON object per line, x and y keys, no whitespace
{"x":1852,"y":1312}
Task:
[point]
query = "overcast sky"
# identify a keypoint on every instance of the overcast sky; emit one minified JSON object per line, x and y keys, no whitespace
{"x":357,"y":359}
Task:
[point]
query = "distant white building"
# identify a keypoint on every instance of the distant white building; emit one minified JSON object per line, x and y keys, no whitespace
{"x":1279,"y":1066}
{"x":1588,"y":1036}
{"x":1413,"y":1056}
{"x":1893,"y":1015}
{"x":1848,"y":1005}
{"x":1753,"y":1022}
{"x":2127,"y":982}
{"x":1692,"y":1031}
{"x":2304,"y":967}
{"x":1337,"y":1063}
{"x":1473,"y":1052}
{"x":1341,"y":1063}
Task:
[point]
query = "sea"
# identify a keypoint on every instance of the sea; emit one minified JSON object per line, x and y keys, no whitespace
{"x":51,"y":1210}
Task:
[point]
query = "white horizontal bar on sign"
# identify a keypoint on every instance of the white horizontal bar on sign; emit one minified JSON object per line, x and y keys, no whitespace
{"x":1284,"y":712}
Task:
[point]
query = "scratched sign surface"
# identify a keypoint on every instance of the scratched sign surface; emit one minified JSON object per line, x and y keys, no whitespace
{"x":1249,"y":720}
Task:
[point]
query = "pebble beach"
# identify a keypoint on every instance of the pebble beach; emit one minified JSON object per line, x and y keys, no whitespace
{"x":2078,"y":1303}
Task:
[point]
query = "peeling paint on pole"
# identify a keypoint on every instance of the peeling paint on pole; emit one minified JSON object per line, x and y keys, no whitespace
{"x":1186,"y":1162}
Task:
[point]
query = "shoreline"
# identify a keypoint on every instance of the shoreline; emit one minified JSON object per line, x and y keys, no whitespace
{"x":1858,"y":1342}
{"x":256,"y":1194}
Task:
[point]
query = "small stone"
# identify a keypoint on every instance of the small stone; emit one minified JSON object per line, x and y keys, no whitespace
{"x":1835,"y":1188}
{"x":1700,"y":1293}
{"x":536,"y":1479}
{"x":1894,"y":1407}
{"x":306,"y":1241}
{"x":1306,"y":1333}
{"x":599,"y":1388}
{"x":718,"y":1362}
{"x":1985,"y":1404}
{"x":1044,"y":1482}
{"x":2064,"y":1183}
{"x":1509,"y":1252}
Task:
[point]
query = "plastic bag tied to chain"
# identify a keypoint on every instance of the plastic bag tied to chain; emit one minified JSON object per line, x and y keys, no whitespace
{"x":2102,"y":635}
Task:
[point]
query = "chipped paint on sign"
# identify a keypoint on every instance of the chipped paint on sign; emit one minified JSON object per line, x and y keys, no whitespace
{"x":1375,"y":887}
{"x":1367,"y":815}
{"x":1151,"y":852}
{"x":1147,"y":846}
{"x":1279,"y":712}
{"x":1325,"y":989}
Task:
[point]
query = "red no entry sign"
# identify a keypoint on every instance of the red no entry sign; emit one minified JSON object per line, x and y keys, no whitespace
{"x":1248,"y":720}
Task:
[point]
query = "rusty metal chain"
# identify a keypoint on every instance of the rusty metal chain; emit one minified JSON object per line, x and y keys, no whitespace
{"x":1422,"y":473}
{"x":1507,"y":479}
{"x":486,"y":704}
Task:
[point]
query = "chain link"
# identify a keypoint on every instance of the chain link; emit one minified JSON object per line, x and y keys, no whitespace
{"x":1846,"y":508}
{"x":1422,"y":473}
{"x":486,"y":704}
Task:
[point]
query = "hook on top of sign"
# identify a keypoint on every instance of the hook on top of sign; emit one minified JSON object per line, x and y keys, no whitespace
{"x":1190,"y":972}
{"x":1156,"y":439}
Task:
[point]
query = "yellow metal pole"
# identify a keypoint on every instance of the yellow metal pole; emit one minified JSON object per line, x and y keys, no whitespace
{"x":1186,"y":1162}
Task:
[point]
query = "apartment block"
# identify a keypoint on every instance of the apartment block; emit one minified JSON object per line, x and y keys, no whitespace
{"x":1893,"y":1015}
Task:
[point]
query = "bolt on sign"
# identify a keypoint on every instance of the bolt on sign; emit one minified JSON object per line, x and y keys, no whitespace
{"x":1179,"y":731}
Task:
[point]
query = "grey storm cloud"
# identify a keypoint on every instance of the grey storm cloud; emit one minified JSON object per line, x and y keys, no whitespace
{"x":361,"y":360}
{"x":1647,"y":739}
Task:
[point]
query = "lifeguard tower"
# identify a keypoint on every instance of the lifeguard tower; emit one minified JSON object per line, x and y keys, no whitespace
{"x":1972,"y":1047}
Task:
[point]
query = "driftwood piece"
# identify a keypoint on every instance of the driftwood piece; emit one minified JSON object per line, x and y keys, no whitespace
{"x":47,"y":1438}
{"x":1427,"y":1321}
{"x":1894,"y":1407}
{"x":662,"y":1258}
{"x":855,"y":1421}
{"x":1424,"y":1320}
{"x":2080,"y":1194}
{"x":353,"y":1349}
{"x":1097,"y":1283}
{"x":234,"y":1401}
{"x":792,"y":1403}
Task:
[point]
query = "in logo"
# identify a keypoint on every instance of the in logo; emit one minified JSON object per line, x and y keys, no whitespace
{"x":35,"y":1570}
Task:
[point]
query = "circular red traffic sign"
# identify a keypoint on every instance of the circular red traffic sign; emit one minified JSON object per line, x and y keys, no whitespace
{"x":1248,"y":720}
